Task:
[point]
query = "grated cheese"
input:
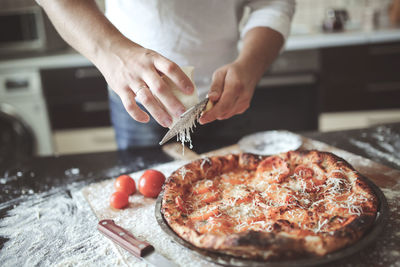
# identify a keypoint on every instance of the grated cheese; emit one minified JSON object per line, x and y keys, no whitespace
{"x":291,"y":201}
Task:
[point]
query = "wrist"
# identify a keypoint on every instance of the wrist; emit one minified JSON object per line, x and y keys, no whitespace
{"x":252,"y":68}
{"x":113,"y":49}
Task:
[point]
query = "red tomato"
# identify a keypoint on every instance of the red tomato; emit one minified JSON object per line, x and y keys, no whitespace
{"x":151,"y":182}
{"x":125,"y":184}
{"x":119,"y":200}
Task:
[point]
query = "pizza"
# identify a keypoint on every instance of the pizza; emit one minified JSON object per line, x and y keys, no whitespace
{"x":292,"y":205}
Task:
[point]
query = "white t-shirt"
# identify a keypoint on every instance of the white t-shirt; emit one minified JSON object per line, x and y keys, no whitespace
{"x":200,"y":33}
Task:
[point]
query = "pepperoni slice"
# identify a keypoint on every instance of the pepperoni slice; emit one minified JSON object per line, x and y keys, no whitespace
{"x":319,"y":176}
{"x":274,"y":169}
{"x":204,"y":215}
{"x":256,"y":219}
{"x":290,"y":199}
{"x":236,"y":178}
{"x":303,"y":172}
{"x":204,"y":186}
{"x":180,"y":204}
{"x":209,"y":197}
{"x":313,"y":177}
{"x":237,"y":195}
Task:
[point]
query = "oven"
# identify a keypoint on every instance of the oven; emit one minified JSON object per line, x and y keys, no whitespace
{"x":25,"y":30}
{"x":24,"y":124}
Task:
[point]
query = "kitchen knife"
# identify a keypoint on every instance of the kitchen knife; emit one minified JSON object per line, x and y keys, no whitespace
{"x":187,"y":120}
{"x":138,"y":248}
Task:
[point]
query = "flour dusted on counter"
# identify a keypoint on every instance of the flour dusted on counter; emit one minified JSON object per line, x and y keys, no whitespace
{"x":56,"y":228}
{"x":387,"y":145}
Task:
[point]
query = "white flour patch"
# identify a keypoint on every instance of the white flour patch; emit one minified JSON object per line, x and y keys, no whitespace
{"x":372,"y":151}
{"x":386,"y":147}
{"x":56,"y":228}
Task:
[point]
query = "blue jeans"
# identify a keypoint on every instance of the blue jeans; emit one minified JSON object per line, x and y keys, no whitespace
{"x":130,"y":133}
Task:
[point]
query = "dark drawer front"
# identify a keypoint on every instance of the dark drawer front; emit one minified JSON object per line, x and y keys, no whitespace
{"x":76,"y":97}
{"x":59,"y":84}
{"x":361,"y":77}
{"x":382,"y":87}
{"x":79,"y":115}
{"x":384,"y":62}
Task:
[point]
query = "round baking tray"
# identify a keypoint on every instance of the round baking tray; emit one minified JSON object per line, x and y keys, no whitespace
{"x":225,"y":260}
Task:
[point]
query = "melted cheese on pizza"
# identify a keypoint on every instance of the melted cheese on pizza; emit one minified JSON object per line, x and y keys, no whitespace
{"x":240,"y":200}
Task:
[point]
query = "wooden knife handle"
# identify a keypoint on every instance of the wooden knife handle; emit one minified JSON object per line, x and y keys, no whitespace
{"x":124,"y":238}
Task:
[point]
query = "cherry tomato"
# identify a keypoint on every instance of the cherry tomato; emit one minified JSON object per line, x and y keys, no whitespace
{"x":119,"y":200}
{"x":126,"y":184}
{"x":151,"y":182}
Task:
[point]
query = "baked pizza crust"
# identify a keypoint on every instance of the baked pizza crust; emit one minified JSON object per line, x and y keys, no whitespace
{"x":287,"y":236}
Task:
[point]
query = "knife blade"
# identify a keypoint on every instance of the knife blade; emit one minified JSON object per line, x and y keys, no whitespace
{"x":138,"y":248}
{"x":186,"y":121}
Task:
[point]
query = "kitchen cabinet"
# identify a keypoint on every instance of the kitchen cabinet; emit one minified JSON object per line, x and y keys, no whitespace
{"x":77,"y":100}
{"x":360,"y":77}
{"x":76,"y":97}
{"x":360,"y":86}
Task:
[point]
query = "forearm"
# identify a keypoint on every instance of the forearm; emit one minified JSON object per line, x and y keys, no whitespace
{"x":261,"y":45}
{"x":83,"y":26}
{"x":233,"y":84}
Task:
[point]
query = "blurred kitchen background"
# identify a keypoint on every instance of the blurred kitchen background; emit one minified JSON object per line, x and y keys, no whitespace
{"x":340,"y":70}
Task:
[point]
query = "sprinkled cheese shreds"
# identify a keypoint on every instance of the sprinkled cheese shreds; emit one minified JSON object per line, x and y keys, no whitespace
{"x":183,"y":171}
{"x":183,"y":136}
{"x":205,"y":160}
{"x":259,"y":202}
{"x":320,"y":225}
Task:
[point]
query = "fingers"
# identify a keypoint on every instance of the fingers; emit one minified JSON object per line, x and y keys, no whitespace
{"x":139,"y":66}
{"x":217,"y":86}
{"x":232,"y":97}
{"x":129,"y":102}
{"x":174,"y":72}
{"x":227,"y":91}
{"x":226,"y":106}
{"x":153,"y":106}
{"x":162,"y":91}
{"x":214,"y":95}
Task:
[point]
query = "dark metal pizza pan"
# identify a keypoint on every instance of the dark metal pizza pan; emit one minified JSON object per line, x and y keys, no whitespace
{"x":220,"y":259}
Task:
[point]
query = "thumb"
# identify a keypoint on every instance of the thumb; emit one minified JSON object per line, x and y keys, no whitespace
{"x":217,"y":86}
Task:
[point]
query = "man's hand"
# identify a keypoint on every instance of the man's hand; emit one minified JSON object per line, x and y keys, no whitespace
{"x":134,"y":72}
{"x":233,"y":85}
{"x":131,"y":70}
{"x":231,"y":90}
